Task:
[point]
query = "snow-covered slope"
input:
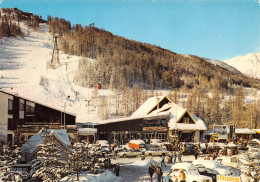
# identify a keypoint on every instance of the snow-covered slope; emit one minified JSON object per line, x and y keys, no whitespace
{"x":223,"y":65}
{"x":248,"y":65}
{"x":23,"y":71}
{"x":218,"y":63}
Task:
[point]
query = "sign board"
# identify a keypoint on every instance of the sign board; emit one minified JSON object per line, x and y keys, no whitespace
{"x":227,"y":179}
{"x":215,"y":137}
{"x":154,"y":128}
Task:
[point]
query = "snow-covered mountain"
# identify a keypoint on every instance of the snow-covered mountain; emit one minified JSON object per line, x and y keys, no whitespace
{"x":223,"y":65}
{"x":248,"y":64}
{"x":23,"y":71}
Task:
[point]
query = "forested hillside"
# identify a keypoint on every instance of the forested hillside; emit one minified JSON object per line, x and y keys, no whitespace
{"x":10,"y":19}
{"x":124,"y":63}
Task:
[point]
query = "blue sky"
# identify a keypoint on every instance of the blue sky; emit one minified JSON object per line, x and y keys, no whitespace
{"x":216,"y":29}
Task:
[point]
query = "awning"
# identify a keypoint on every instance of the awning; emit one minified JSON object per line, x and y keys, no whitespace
{"x":87,"y":131}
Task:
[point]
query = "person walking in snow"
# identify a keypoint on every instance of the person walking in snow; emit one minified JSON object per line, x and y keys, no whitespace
{"x":196,"y":153}
{"x":171,"y":156}
{"x":117,"y":169}
{"x":174,"y":157}
{"x":167,"y":177}
{"x":162,"y":162}
{"x":158,"y":172}
{"x":151,"y":171}
{"x":180,"y":155}
{"x":182,"y":176}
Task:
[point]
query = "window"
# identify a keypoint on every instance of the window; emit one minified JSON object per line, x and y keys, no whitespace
{"x":10,"y":106}
{"x":21,"y":106}
{"x":186,"y":120}
{"x":164,"y":122}
{"x":32,"y":109}
{"x":10,"y":124}
{"x":29,"y":109}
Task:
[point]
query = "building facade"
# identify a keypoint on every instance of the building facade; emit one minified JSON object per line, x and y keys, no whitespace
{"x":21,"y":118}
{"x":157,"y":118}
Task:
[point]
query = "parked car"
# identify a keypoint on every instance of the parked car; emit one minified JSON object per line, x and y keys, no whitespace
{"x":130,"y":153}
{"x":102,"y":143}
{"x":211,"y":149}
{"x":207,"y":172}
{"x":254,"y":152}
{"x":156,"y":152}
{"x":156,"y":142}
{"x":254,"y":143}
{"x":214,"y":165}
{"x":191,"y":172}
{"x":188,"y":150}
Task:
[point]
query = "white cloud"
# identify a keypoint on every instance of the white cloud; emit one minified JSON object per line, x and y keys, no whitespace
{"x":1,"y":1}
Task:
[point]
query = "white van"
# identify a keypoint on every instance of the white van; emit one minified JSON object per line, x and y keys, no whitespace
{"x":156,"y":142}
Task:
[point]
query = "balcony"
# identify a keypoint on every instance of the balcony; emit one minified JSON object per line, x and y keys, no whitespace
{"x":36,"y":127}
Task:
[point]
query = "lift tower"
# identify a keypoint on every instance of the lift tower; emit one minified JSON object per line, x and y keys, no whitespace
{"x":55,"y":54}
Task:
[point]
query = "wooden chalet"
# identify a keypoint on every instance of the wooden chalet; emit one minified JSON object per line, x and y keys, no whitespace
{"x":157,"y":118}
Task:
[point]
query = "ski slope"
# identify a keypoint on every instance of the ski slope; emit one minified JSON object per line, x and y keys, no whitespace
{"x":23,"y":71}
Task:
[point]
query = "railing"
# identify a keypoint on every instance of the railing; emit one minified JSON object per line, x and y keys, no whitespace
{"x":34,"y":128}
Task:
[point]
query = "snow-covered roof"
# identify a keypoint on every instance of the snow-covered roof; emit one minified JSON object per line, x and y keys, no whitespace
{"x":176,"y":113}
{"x":244,"y":131}
{"x":146,"y":107}
{"x":137,"y":141}
{"x":129,"y":118}
{"x":9,"y":93}
{"x":62,"y":136}
{"x":32,"y":144}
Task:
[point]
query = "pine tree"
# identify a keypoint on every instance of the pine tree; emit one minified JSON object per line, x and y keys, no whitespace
{"x":9,"y":156}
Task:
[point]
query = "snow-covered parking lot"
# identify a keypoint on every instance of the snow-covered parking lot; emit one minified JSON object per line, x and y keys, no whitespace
{"x":134,"y":169}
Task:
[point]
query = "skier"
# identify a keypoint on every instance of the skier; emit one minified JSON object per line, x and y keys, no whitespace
{"x":117,"y":169}
{"x":151,"y":170}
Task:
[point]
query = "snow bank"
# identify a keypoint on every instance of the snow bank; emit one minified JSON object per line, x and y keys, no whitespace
{"x":84,"y":177}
